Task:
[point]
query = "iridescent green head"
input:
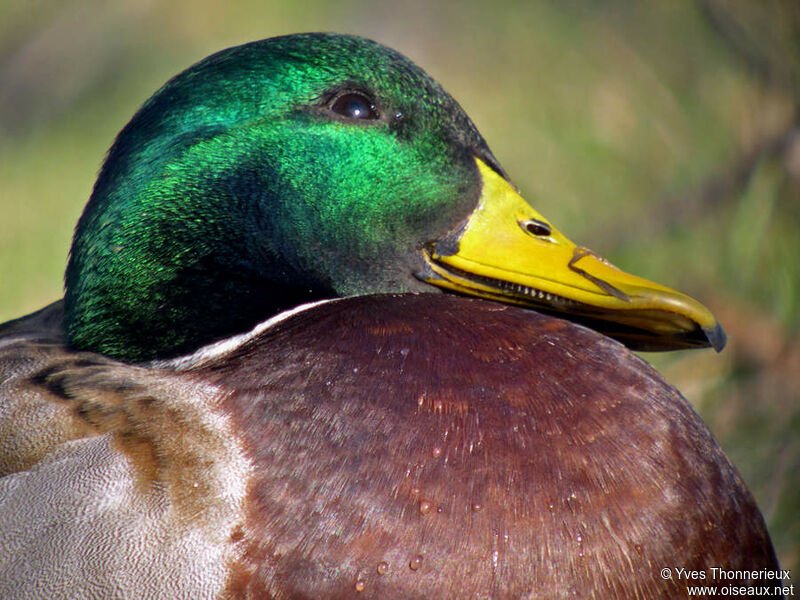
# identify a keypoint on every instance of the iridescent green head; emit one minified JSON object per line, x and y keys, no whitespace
{"x":313,"y":166}
{"x":266,"y":175}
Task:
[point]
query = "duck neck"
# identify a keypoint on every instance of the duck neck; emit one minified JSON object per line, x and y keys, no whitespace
{"x":157,"y":272}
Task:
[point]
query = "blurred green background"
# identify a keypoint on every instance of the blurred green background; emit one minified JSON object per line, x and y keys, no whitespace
{"x":663,"y":134}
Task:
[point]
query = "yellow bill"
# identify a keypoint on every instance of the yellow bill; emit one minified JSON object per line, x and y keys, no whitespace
{"x":507,"y":251}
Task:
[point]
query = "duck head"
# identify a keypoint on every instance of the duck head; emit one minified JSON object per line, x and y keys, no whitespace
{"x":314,"y":166}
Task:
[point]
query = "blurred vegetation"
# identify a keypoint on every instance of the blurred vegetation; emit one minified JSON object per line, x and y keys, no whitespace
{"x":665,"y":135}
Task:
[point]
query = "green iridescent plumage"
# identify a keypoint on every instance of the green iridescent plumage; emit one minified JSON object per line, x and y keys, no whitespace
{"x":235,"y":193}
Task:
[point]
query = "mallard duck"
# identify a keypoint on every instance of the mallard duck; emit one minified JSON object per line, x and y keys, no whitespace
{"x":266,"y":379}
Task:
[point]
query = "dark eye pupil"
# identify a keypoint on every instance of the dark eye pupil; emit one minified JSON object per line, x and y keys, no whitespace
{"x":354,"y":106}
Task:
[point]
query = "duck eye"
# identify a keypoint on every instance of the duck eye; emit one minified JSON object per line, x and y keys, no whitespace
{"x":354,"y":106}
